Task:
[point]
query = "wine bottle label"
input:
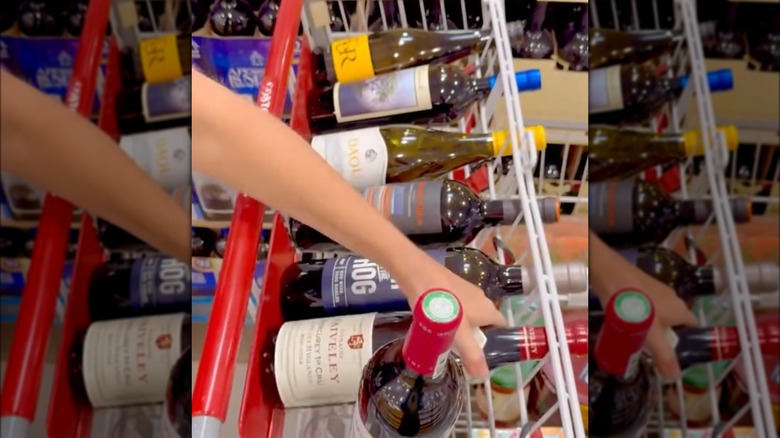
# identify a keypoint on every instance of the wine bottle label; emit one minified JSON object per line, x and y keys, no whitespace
{"x":167,"y":100}
{"x":163,"y":155}
{"x":605,"y":92}
{"x":127,"y":361}
{"x":414,"y":208}
{"x":400,"y":92}
{"x":319,"y":361}
{"x":611,"y":207}
{"x":352,"y":59}
{"x":357,"y":283}
{"x":160,"y":58}
{"x":159,"y":281}
{"x":360,"y":156}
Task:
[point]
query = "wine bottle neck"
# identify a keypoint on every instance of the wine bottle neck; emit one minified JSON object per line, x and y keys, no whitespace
{"x":511,"y":279}
{"x":483,"y":85}
{"x":692,"y":212}
{"x":704,"y":277}
{"x":702,"y":345}
{"x":515,"y":344}
{"x":501,"y":212}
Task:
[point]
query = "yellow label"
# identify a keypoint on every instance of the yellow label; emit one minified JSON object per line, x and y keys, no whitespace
{"x":352,"y":59}
{"x":160,"y":59}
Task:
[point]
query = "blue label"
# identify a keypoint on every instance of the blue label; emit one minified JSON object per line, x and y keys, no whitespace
{"x":47,"y":63}
{"x":167,"y":100}
{"x":237,"y":63}
{"x":360,"y":285}
{"x":159,"y":281}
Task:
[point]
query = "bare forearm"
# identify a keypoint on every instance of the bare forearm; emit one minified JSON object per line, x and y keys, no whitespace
{"x":59,"y":151}
{"x":251,"y":151}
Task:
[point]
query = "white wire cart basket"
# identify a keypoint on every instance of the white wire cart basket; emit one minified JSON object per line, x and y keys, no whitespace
{"x":682,"y":410}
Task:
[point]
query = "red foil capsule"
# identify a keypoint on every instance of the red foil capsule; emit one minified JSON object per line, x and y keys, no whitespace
{"x":627,"y":320}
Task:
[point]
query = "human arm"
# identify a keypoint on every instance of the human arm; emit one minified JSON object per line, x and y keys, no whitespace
{"x":610,"y":272}
{"x":251,"y":151}
{"x":44,"y":143}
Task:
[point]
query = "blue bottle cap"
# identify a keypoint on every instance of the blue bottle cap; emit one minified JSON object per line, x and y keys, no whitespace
{"x":529,"y":80}
{"x":719,"y":80}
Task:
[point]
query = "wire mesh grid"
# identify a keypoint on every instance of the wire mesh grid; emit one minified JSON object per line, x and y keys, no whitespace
{"x":681,"y":409}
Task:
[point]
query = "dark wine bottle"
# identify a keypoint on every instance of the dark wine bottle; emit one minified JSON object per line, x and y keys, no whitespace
{"x":413,"y":386}
{"x":391,"y":154}
{"x":729,"y":39}
{"x":231,"y":18}
{"x":620,"y":152}
{"x":427,"y":94}
{"x":537,"y":42}
{"x":300,"y":344}
{"x":39,"y":18}
{"x":431,"y":213}
{"x":764,"y":38}
{"x":127,"y":361}
{"x":573,"y":49}
{"x":633,"y":93}
{"x":199,"y":14}
{"x":145,"y":286}
{"x":155,"y":106}
{"x":365,"y":56}
{"x":13,"y":242}
{"x":75,"y":14}
{"x":610,"y":47}
{"x":9,"y":12}
{"x":635,"y":212}
{"x":620,"y":382}
{"x":176,"y":420}
{"x":133,"y":74}
{"x":204,"y":242}
{"x":351,"y":284}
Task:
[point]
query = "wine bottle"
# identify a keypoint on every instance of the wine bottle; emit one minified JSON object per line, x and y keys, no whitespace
{"x":690,"y":280}
{"x":365,"y":56}
{"x":537,"y":42}
{"x":351,"y":284}
{"x":633,"y":93}
{"x":413,"y":386}
{"x":573,"y":47}
{"x":204,"y":242}
{"x":635,"y":212}
{"x":620,"y":152}
{"x":127,"y":361}
{"x":764,"y":38}
{"x":9,"y":12}
{"x":299,"y":345}
{"x":133,"y":70}
{"x":426,"y":94}
{"x":620,"y":387}
{"x":13,"y":242}
{"x":40,"y":18}
{"x":164,"y":155}
{"x":266,"y":17}
{"x":199,"y":14}
{"x":233,"y":18}
{"x":176,"y":419}
{"x":432,"y":214}
{"x":610,"y":47}
{"x":155,"y":106}
{"x":75,"y":14}
{"x":145,"y":286}
{"x":392,"y":154}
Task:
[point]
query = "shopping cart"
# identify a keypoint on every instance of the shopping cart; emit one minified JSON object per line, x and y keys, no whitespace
{"x":261,"y":413}
{"x":698,"y":179}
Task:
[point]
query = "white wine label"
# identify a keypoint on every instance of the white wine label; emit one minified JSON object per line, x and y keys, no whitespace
{"x":611,"y":207}
{"x":128,"y":361}
{"x":167,"y":100}
{"x":605,"y":92}
{"x":400,"y":92}
{"x":164,"y":155}
{"x":359,"y":156}
{"x":319,"y":361}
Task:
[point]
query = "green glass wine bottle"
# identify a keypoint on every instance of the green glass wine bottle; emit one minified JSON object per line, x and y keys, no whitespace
{"x":610,"y":47}
{"x":633,"y":93}
{"x":620,"y":152}
{"x":389,"y":154}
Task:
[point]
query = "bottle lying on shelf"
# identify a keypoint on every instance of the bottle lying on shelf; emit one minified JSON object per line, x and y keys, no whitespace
{"x":621,"y":391}
{"x":155,"y":106}
{"x":610,"y":46}
{"x":439,"y":93}
{"x":204,"y":242}
{"x":318,"y":361}
{"x":634,"y":212}
{"x":365,"y":56}
{"x":432,"y":213}
{"x":146,"y":286}
{"x":176,"y":419}
{"x":633,"y":93}
{"x":413,"y":386}
{"x":391,"y":154}
{"x":619,"y":153}
{"x":232,"y":18}
{"x":125,"y":362}
{"x":690,"y":281}
{"x":351,"y":284}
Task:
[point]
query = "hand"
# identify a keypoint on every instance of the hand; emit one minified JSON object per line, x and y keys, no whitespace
{"x":478,"y":310}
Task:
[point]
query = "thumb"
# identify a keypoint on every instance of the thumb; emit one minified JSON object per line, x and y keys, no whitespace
{"x":664,"y":356}
{"x":470,"y":352}
{"x":482,"y":312}
{"x":677,"y":313}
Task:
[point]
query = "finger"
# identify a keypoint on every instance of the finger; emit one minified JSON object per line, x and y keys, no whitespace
{"x":677,"y":314}
{"x":664,"y":356}
{"x":471,"y":354}
{"x":482,"y":312}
